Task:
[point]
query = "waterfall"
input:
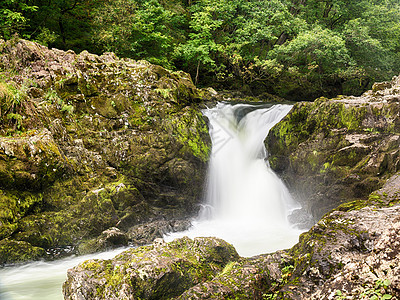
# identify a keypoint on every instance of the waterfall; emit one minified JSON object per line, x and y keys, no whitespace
{"x":245,"y":202}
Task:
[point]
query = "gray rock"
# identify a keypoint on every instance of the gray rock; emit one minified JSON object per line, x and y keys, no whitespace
{"x":159,"y":271}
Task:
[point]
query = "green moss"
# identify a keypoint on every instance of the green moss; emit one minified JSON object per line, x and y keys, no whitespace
{"x":165,"y":93}
{"x":228,"y":268}
{"x":191,"y":131}
{"x":18,"y":251}
{"x":182,"y":264}
{"x":87,"y":87}
{"x":293,"y":128}
{"x":353,"y":205}
{"x":6,"y":230}
{"x":352,"y":118}
{"x":71,"y":176}
{"x":14,"y":205}
{"x":52,"y":97}
{"x":93,"y":265}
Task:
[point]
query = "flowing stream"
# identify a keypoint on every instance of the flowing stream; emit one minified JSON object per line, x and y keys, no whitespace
{"x":41,"y":280}
{"x":245,"y":202}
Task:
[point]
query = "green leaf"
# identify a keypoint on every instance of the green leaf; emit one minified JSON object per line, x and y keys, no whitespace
{"x":386,"y":282}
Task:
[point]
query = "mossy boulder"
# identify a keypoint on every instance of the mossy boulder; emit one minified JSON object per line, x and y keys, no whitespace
{"x":31,"y":161}
{"x":110,"y":238}
{"x":349,"y":253}
{"x":159,"y":271}
{"x":92,"y":142}
{"x":19,"y":251}
{"x":332,"y":151}
{"x":246,"y":278}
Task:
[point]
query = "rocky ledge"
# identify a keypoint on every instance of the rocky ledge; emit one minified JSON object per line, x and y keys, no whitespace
{"x":333,"y":151}
{"x":92,"y":146}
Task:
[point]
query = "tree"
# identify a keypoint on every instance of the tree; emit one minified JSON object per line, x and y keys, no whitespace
{"x":201,"y":47}
{"x":13,"y":17}
{"x":316,"y":59}
{"x":137,"y":29}
{"x":65,"y":24}
{"x":332,"y":14}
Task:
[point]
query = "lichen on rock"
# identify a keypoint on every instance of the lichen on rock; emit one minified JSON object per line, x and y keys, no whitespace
{"x":333,"y":151}
{"x":91,"y":142}
{"x":159,"y":271}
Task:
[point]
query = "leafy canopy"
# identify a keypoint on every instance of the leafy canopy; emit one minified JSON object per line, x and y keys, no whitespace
{"x":294,"y":48}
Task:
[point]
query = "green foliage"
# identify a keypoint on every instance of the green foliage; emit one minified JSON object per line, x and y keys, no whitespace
{"x":378,"y":292}
{"x":52,"y":97}
{"x":69,"y":109}
{"x":16,"y":118}
{"x":314,"y":52}
{"x":12,"y":97}
{"x":46,"y":37}
{"x":201,"y":48}
{"x":296,"y":49}
{"x":339,"y":295}
{"x":138,"y":29}
{"x":165,"y":93}
{"x":12,"y":17}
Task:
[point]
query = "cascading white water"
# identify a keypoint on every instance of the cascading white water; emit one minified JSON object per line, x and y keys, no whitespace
{"x":246,"y":203}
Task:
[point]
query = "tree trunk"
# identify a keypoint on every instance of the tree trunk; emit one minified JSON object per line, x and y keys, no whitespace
{"x":282,"y":38}
{"x":197,"y":73}
{"x":62,"y":31}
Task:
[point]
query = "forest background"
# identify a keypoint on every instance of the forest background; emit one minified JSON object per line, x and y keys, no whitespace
{"x":296,"y":49}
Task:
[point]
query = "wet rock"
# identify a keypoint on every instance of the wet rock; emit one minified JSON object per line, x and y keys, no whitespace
{"x":350,"y":254}
{"x":332,"y":151}
{"x":109,"y":239}
{"x":94,"y":142}
{"x":146,"y":233}
{"x":242,"y":279}
{"x":159,"y":271}
{"x":31,"y":162}
{"x":18,"y":251}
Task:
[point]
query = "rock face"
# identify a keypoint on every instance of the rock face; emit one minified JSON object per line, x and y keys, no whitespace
{"x":351,"y":253}
{"x":333,"y":151}
{"x":92,"y":142}
{"x":350,"y":256}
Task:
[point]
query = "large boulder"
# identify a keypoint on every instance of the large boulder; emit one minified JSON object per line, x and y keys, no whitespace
{"x":159,"y":271}
{"x":89,"y":142}
{"x":332,"y":151}
{"x":351,"y":253}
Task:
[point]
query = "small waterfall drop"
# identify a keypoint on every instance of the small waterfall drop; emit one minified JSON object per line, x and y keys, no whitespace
{"x":245,"y":202}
